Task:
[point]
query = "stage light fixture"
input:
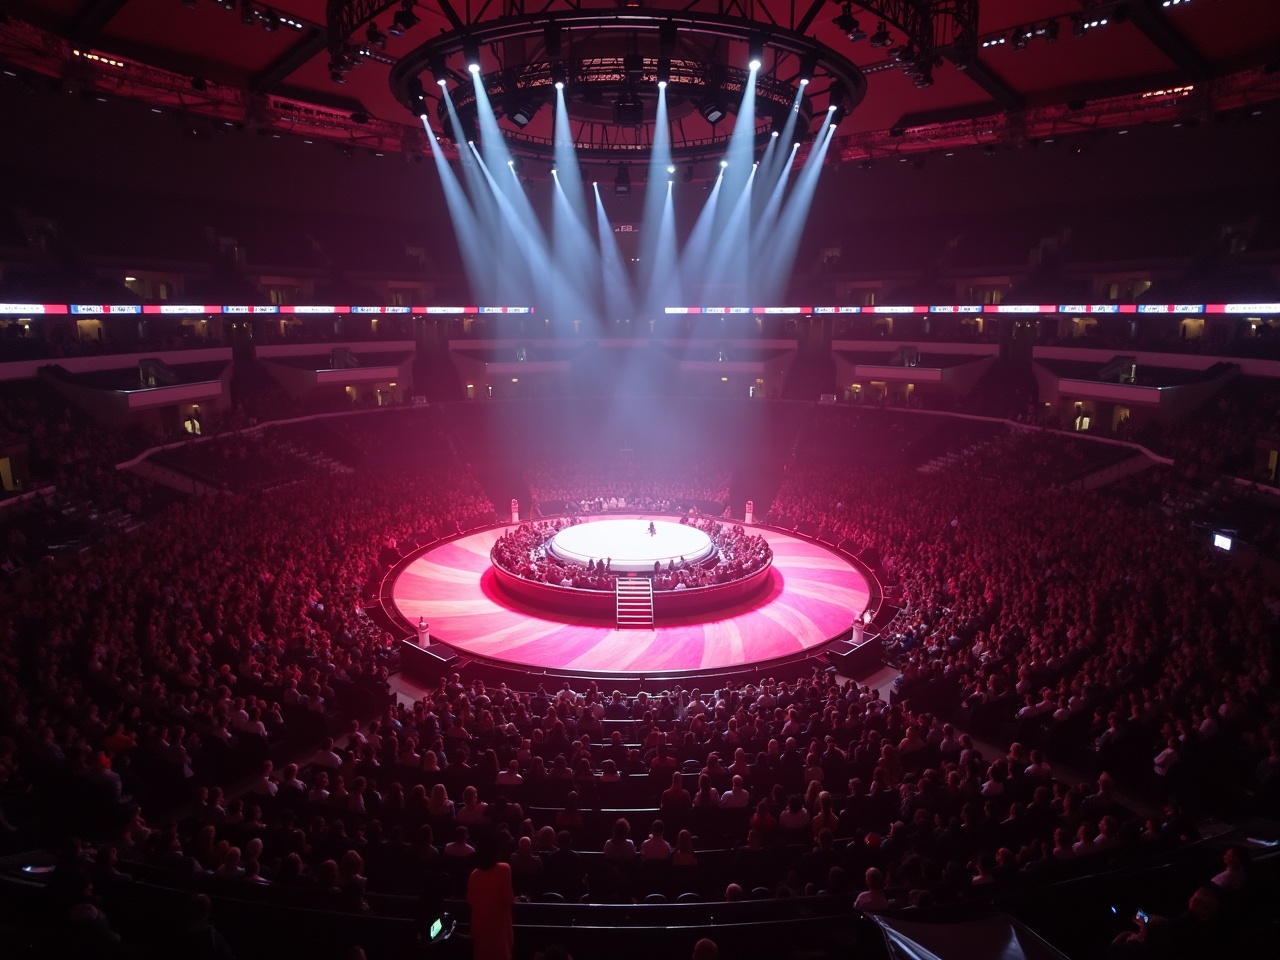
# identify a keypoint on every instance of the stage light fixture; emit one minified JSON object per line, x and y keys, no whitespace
{"x":524,"y":111}
{"x":622,"y":181}
{"x":1081,"y":24}
{"x":375,"y":37}
{"x":724,"y":164}
{"x":1020,"y":38}
{"x":671,"y":168}
{"x":1050,"y":31}
{"x":417,"y":96}
{"x":246,"y":13}
{"x":633,"y":67}
{"x":713,"y":108}
{"x":551,"y":40}
{"x":440,"y":71}
{"x":558,"y":75}
{"x":664,"y":72}
{"x":404,"y":19}
{"x":807,"y":66}
{"x":628,"y":111}
{"x":471,"y":55}
{"x":755,"y":51}
{"x":848,"y":25}
{"x":270,"y":21}
{"x":994,"y":41}
{"x":881,"y":37}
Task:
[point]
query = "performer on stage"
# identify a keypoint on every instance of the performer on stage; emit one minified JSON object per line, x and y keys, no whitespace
{"x":653,"y":531}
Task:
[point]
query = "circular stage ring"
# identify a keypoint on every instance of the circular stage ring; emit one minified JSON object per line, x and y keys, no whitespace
{"x":628,"y":544}
{"x":813,"y":593}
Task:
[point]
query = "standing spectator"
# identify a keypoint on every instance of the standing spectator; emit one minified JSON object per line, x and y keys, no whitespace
{"x":490,"y":896}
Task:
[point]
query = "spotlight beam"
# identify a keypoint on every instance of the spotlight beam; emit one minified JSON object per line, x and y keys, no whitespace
{"x":465,"y":225}
{"x":775,"y":269}
{"x":663,"y":286}
{"x":617,"y":286}
{"x":730,"y":265}
{"x":788,"y":136}
{"x":762,"y":238}
{"x":569,"y":173}
{"x":693,"y":261}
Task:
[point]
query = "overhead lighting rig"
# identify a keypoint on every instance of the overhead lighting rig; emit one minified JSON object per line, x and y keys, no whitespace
{"x":848,"y":25}
{"x":404,"y":20}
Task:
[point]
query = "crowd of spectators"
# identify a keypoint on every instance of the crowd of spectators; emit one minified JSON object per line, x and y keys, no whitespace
{"x":626,"y":484}
{"x":1068,"y":620}
{"x":173,"y":655}
{"x":1220,"y":437}
{"x":246,"y":461}
{"x":768,"y":790}
{"x":524,"y":552}
{"x":153,"y":671}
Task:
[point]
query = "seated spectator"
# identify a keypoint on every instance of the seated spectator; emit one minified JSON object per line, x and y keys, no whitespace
{"x":459,"y":846}
{"x":872,"y":900}
{"x":262,"y":784}
{"x":655,"y":846}
{"x":683,"y":856}
{"x":619,"y":846}
{"x":439,"y":804}
{"x":737,"y":797}
{"x":1235,"y":875}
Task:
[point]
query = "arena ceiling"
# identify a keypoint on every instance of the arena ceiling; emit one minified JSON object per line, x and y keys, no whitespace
{"x":284,"y":48}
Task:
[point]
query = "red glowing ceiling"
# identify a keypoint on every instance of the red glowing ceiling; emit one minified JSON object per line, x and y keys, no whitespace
{"x":208,"y":40}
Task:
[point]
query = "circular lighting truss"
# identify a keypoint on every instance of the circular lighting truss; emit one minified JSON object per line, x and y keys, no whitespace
{"x":610,"y":63}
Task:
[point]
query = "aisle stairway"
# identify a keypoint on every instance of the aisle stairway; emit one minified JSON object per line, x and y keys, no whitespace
{"x":634,"y":597}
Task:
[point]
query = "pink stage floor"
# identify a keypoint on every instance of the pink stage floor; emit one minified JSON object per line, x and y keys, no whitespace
{"x":813,"y":595}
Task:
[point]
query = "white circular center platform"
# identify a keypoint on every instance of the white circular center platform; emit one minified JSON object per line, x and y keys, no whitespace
{"x":629,"y":544}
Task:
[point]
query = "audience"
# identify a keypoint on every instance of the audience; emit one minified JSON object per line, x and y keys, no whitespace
{"x":227,"y":635}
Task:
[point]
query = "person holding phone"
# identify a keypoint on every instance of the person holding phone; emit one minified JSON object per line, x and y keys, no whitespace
{"x":1192,"y":933}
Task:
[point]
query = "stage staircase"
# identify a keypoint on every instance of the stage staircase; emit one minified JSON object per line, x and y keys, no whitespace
{"x":634,"y":598}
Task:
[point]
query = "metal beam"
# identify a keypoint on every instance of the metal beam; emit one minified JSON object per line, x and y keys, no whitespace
{"x":289,"y":61}
{"x":1148,"y":17}
{"x":995,"y":86}
{"x":91,"y":18}
{"x":810,"y":15}
{"x":451,"y":15}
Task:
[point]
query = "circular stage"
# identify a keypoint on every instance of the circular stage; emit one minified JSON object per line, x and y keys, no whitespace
{"x":811,"y":596}
{"x":630,"y":546}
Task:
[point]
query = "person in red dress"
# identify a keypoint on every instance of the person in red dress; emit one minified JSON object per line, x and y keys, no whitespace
{"x":490,"y":896}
